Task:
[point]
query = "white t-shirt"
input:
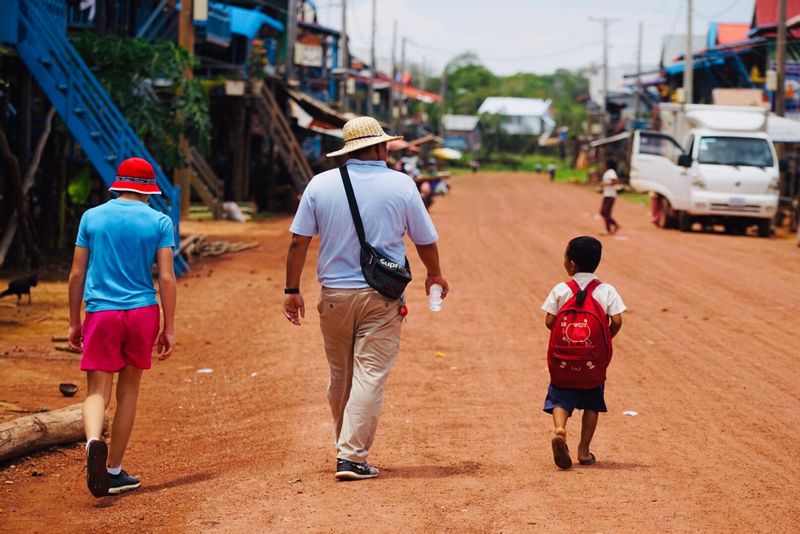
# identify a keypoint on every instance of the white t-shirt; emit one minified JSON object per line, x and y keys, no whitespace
{"x":609,"y":189}
{"x":604,"y":294}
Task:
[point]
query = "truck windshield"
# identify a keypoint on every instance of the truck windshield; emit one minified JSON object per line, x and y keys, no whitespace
{"x":735,"y":151}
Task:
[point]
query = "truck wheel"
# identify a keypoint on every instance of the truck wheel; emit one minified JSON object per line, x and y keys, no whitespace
{"x":765,"y":228}
{"x":685,"y":222}
{"x":666,"y":219}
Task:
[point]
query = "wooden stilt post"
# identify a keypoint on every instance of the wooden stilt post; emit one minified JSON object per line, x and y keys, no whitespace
{"x":183,"y":176}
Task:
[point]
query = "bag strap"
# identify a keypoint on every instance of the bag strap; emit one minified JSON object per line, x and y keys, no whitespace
{"x":351,"y":200}
{"x":582,"y":294}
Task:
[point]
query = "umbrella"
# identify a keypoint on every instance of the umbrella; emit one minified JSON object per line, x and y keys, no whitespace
{"x":446,"y":153}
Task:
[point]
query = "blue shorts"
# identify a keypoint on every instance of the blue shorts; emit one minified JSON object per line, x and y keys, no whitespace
{"x":570,"y":399}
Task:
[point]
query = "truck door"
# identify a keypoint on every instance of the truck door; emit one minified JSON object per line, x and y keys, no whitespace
{"x":654,"y":167}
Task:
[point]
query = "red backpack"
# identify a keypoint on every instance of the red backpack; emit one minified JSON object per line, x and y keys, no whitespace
{"x":580,"y":341}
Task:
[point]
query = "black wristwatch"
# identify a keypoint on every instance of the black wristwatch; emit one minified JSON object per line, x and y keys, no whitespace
{"x":291,"y":291}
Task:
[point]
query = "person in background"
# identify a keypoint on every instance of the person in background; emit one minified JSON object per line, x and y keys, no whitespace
{"x":610,"y":181}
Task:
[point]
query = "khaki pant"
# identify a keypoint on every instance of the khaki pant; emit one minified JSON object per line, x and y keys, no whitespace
{"x":361,"y":330}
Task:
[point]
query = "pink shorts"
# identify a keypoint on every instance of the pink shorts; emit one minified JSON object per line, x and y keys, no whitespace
{"x":115,"y":339}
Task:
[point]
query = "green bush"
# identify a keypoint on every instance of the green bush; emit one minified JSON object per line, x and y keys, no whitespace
{"x":122,"y":65}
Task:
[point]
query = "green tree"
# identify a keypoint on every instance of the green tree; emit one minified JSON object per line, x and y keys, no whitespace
{"x":124,"y":65}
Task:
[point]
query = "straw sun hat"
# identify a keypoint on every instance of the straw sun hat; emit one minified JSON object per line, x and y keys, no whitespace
{"x":362,"y":132}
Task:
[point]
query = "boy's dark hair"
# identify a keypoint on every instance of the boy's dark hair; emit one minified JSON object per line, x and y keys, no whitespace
{"x":585,"y":251}
{"x":611,"y":164}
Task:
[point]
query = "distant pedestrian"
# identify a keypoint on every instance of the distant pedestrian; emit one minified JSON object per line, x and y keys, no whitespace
{"x":610,"y":181}
{"x":551,"y":171}
{"x":360,"y":323}
{"x":112,"y":272}
{"x":583,"y":316}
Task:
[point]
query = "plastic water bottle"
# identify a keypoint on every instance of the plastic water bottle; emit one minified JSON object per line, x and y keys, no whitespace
{"x":435,"y":300}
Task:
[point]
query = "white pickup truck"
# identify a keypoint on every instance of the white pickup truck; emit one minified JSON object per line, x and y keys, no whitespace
{"x":725,"y":171}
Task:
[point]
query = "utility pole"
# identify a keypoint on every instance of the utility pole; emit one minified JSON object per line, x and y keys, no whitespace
{"x":780,"y":59}
{"x":372,"y":67}
{"x":392,"y":99}
{"x":688,"y":68}
{"x":442,"y":96}
{"x":402,"y":80}
{"x":423,"y":75}
{"x":291,"y":39}
{"x":345,"y":59}
{"x":605,"y":21}
{"x":638,"y":95}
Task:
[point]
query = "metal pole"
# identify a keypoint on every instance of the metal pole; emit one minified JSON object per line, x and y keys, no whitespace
{"x":372,"y":67}
{"x":605,"y":22}
{"x":780,"y":59}
{"x":291,"y":39}
{"x":638,"y":95}
{"x":688,"y":68}
{"x":442,"y":95}
{"x":345,"y":58}
{"x":402,"y":80}
{"x":392,"y":99}
{"x":605,"y":66}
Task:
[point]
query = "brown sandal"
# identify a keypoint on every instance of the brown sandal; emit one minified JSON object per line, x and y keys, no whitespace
{"x":561,"y":453}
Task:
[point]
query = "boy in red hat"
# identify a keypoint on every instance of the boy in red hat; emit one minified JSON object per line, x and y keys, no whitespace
{"x":112,"y":272}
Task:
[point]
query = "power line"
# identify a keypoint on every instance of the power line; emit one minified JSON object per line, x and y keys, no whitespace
{"x":715,"y":15}
{"x":677,"y":18}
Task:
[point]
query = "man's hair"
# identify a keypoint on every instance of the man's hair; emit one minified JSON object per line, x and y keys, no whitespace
{"x":611,"y":164}
{"x":585,"y":251}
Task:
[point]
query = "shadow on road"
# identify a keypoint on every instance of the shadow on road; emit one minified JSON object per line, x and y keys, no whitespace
{"x":431,"y":471}
{"x":109,"y":501}
{"x":618,"y":466}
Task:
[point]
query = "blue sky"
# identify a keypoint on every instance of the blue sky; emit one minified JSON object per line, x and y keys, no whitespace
{"x":525,"y":35}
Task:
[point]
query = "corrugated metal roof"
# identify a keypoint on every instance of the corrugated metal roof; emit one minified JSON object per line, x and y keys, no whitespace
{"x":515,"y":107}
{"x":460,"y":123}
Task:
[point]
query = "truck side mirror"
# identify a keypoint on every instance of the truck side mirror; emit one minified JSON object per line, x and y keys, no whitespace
{"x":783,"y":164}
{"x":685,"y":160}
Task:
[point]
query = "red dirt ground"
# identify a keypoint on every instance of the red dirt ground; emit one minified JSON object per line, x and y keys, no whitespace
{"x":707,"y":357}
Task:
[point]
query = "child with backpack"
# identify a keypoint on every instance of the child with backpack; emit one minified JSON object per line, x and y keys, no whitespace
{"x":583,"y":315}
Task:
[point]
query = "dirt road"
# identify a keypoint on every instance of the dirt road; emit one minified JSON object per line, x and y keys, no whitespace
{"x":707,"y":357}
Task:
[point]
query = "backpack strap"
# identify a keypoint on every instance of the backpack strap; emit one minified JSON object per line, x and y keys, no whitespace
{"x":581,"y":294}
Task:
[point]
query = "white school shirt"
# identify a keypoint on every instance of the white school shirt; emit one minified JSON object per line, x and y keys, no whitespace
{"x":604,"y":294}
{"x":609,"y":189}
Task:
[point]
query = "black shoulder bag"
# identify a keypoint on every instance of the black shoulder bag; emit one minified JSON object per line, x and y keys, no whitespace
{"x":382,"y":274}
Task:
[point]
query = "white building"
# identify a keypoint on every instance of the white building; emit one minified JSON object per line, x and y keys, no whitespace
{"x":524,"y":116}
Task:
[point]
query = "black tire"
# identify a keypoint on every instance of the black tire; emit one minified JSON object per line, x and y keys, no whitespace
{"x":666,"y":219}
{"x":765,"y":228}
{"x":685,"y":222}
{"x":735,"y":229}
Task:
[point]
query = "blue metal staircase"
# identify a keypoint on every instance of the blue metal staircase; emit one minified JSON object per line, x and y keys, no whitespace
{"x":37,"y":28}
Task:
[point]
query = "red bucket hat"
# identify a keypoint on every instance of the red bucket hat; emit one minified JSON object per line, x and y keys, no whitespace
{"x":136,"y":175}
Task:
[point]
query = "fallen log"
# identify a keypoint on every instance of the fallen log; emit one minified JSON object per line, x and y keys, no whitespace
{"x":36,"y":432}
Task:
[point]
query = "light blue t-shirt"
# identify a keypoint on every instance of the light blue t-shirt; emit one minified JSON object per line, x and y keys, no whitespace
{"x":122,"y":237}
{"x":390,"y":207}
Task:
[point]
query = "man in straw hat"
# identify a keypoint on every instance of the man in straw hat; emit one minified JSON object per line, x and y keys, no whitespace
{"x":360,"y":327}
{"x":112,"y":272}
